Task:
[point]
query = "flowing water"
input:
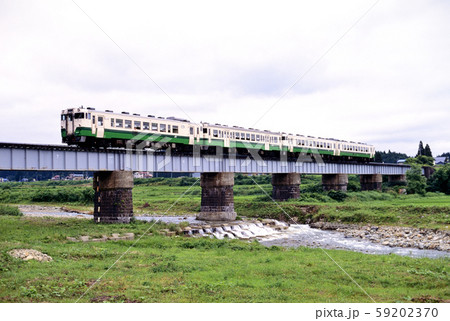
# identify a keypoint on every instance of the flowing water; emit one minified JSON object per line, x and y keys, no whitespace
{"x":276,"y":235}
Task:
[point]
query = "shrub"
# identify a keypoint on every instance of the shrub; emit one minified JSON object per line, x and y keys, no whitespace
{"x":440,"y":180}
{"x":10,"y":210}
{"x":416,"y":183}
{"x":85,"y":195}
{"x":187,"y":181}
{"x":337,"y":195}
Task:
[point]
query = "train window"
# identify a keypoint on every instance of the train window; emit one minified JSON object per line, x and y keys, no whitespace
{"x":79,"y":115}
{"x":162,"y":127}
{"x":93,"y":118}
{"x":253,"y":137}
{"x":215,"y":133}
{"x":63,"y":117}
{"x":119,"y":123}
{"x":112,"y":122}
{"x":198,"y":131}
{"x":137,"y":125}
{"x":258,"y":138}
{"x":127,"y":123}
{"x":247,"y":137}
{"x":191,"y":130}
{"x":154,"y":126}
{"x":275,"y":140}
{"x":146,"y":126}
{"x":205,"y":130}
{"x":88,"y":115}
{"x":168,"y":128}
{"x":175,"y":129}
{"x":100,"y":121}
{"x":236,"y":135}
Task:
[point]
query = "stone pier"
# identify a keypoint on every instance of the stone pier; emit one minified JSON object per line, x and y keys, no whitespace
{"x":217,"y":197}
{"x":397,"y":180}
{"x":371,"y":182}
{"x":113,"y":201}
{"x":336,"y":182}
{"x":285,"y":186}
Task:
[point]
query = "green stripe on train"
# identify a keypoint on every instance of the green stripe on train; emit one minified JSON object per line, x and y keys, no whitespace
{"x":120,"y":134}
{"x":355,"y":154}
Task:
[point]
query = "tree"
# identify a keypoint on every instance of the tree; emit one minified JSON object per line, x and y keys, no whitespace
{"x":378,"y":157}
{"x":440,"y":181}
{"x":421,"y":150}
{"x":416,"y":183}
{"x":421,"y":160}
{"x":389,"y":157}
{"x":427,"y":151}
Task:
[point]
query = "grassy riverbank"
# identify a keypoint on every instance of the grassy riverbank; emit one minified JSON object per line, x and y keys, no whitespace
{"x":179,"y":269}
{"x":156,"y":196}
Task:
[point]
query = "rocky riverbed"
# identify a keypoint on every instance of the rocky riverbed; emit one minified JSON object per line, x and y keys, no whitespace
{"x":392,"y":236}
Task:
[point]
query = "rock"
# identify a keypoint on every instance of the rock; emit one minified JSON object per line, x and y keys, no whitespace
{"x":129,"y":236}
{"x":84,"y":238}
{"x":30,"y":254}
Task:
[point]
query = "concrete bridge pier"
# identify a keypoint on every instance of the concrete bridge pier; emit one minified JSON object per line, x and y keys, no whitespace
{"x":397,"y":179}
{"x":336,"y":182}
{"x":113,"y":201}
{"x":217,"y":197}
{"x":285,"y":186}
{"x":371,"y":182}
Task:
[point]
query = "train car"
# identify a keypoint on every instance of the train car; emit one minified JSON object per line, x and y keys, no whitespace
{"x":90,"y":128}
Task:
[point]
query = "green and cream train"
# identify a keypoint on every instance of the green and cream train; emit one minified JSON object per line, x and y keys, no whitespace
{"x":90,"y":128}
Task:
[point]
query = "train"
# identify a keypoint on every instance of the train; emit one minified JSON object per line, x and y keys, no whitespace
{"x":87,"y":127}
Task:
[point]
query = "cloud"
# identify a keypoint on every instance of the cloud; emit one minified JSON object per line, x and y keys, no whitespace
{"x":385,"y":82}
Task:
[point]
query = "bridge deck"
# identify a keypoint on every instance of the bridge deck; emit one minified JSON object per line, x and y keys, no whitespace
{"x":65,"y":158}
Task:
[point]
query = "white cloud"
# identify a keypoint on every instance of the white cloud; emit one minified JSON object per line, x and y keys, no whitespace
{"x":386,"y":82}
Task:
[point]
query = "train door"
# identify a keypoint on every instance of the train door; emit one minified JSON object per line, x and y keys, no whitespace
{"x":69,"y":124}
{"x":191,"y":135}
{"x":198,"y":131}
{"x":100,"y":127}
{"x":206,"y":133}
{"x":94,"y":125}
{"x":226,"y":138}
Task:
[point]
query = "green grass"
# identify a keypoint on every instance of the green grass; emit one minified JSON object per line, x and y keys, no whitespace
{"x":179,"y":269}
{"x":9,"y":210}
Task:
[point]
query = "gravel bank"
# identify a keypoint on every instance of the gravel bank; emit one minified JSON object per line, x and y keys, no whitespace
{"x":392,"y":236}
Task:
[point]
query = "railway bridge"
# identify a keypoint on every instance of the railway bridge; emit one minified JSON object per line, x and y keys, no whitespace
{"x":113,"y":177}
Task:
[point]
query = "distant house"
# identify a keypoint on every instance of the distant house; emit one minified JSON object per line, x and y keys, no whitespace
{"x":440,"y":160}
{"x":142,"y":175}
{"x":401,"y":161}
{"x":3,"y":179}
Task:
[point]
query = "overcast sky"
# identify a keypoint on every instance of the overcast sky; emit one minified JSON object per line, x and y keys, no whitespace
{"x":363,"y":72}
